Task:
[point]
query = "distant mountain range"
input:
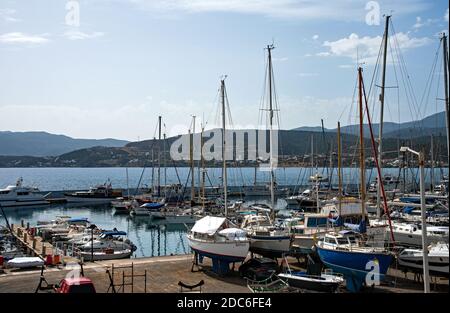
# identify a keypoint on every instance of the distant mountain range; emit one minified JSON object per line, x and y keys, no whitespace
{"x":44,"y":144}
{"x":433,"y":124}
{"x":39,"y":149}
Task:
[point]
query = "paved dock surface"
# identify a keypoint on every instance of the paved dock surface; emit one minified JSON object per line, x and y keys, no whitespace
{"x":164,"y":273}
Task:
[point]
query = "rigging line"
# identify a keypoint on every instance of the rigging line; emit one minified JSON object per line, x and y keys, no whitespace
{"x":408,"y":81}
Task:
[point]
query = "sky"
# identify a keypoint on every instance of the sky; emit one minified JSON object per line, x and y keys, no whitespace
{"x":109,"y":68}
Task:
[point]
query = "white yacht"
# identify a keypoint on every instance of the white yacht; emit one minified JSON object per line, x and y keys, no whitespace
{"x":411,"y":234}
{"x":437,"y":259}
{"x":19,"y":195}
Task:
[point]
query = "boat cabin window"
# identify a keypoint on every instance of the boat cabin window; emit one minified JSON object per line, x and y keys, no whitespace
{"x":330,"y":240}
{"x":23,"y":193}
{"x":343,"y":241}
{"x":4,"y":192}
{"x":317,"y":222}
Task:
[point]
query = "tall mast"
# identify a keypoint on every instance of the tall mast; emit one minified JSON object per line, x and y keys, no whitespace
{"x":380,"y":135}
{"x":224,"y":169}
{"x":312,"y":155}
{"x":361,"y":149}
{"x":203,"y":168}
{"x":192,"y":161}
{"x":432,"y":163}
{"x":164,"y":163}
{"x":272,"y":178}
{"x":447,"y":109}
{"x":159,"y":156}
{"x":339,"y":169}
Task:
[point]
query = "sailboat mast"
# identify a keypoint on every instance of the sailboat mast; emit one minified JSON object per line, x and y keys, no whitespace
{"x":312,"y":155}
{"x":380,"y":130}
{"x":447,"y":109}
{"x":272,"y":178}
{"x":202,"y":160}
{"x":361,"y":148}
{"x":159,"y":156}
{"x":224,"y":169}
{"x":192,"y":160}
{"x":339,"y":169}
{"x":432,"y":163}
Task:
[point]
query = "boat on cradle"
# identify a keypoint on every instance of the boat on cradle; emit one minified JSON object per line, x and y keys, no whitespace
{"x":266,"y":239}
{"x":219,"y":239}
{"x":347,"y":254}
{"x":306,"y":229}
{"x":110,"y":245}
{"x":312,"y":280}
{"x":410,"y":235}
{"x":99,"y":194}
{"x":18,"y":195}
{"x":437,"y":259}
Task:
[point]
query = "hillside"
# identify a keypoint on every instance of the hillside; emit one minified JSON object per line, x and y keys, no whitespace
{"x":41,"y":144}
{"x":433,"y":124}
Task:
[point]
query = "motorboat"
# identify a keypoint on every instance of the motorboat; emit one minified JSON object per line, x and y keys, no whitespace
{"x":106,"y":254}
{"x":437,"y":259}
{"x":99,"y":194}
{"x":325,"y":282}
{"x":109,"y":240}
{"x":407,"y":234}
{"x":19,"y":195}
{"x":110,"y":245}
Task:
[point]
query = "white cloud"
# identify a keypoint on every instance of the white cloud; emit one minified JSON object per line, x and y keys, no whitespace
{"x":21,"y":38}
{"x":446,"y":16}
{"x":304,"y":9}
{"x":283,"y":59}
{"x":347,"y":66}
{"x":365,"y":49}
{"x":419,"y":23}
{"x":307,"y":74}
{"x":315,"y":37}
{"x":323,"y":54}
{"x":78,"y":35}
{"x":8,"y":15}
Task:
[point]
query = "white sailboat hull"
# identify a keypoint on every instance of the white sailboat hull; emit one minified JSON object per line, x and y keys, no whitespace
{"x":231,"y":250}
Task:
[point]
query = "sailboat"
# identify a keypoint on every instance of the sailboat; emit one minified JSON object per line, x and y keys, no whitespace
{"x":267,"y":238}
{"x":346,"y":251}
{"x":216,"y":237}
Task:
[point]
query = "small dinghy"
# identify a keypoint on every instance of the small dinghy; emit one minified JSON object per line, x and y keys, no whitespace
{"x":322,"y":283}
{"x":25,"y":262}
{"x":313,"y":279}
{"x":106,"y":254}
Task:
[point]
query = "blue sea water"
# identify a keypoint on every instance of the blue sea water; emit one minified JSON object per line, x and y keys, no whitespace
{"x":151,"y":239}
